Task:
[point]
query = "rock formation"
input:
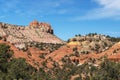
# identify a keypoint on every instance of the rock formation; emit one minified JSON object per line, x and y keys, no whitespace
{"x":34,"y":32}
{"x":44,"y":27}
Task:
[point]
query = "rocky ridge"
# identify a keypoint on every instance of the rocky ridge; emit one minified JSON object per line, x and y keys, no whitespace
{"x":34,"y":32}
{"x":91,"y":43}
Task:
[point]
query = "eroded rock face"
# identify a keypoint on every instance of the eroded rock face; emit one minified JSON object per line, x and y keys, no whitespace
{"x":34,"y":32}
{"x":44,"y":27}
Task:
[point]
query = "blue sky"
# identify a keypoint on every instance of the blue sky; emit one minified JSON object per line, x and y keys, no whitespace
{"x":67,"y":17}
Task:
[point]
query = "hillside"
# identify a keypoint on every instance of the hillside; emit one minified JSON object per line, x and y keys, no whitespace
{"x":20,"y":70}
{"x":39,"y":50}
{"x":92,"y":48}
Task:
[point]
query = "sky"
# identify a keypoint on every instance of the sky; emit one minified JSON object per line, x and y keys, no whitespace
{"x":67,"y":17}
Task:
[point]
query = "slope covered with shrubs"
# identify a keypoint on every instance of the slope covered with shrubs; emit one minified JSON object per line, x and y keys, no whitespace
{"x":18,"y":69}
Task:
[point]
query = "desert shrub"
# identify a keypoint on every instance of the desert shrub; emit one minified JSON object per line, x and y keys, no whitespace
{"x":42,"y":56}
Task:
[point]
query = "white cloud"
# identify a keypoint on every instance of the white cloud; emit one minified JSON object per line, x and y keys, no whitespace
{"x":109,"y":4}
{"x":107,"y":9}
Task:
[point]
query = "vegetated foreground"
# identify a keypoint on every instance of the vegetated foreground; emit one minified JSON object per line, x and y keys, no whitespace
{"x":17,"y":68}
{"x":90,"y":57}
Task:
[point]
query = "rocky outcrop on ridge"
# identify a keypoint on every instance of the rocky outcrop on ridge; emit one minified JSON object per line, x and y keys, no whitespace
{"x":91,"y":43}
